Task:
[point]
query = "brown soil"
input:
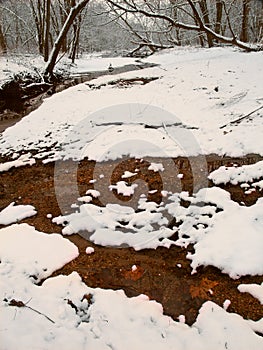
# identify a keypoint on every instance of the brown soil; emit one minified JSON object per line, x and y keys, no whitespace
{"x":159,"y":274}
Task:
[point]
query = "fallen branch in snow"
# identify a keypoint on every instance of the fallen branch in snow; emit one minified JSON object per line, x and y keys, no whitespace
{"x":152,"y":46}
{"x":41,"y":84}
{"x":241,"y":118}
{"x":19,"y":303}
{"x":124,"y":82}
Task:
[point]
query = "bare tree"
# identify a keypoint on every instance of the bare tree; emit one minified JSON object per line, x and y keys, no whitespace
{"x":47,"y":30}
{"x":38,"y":15}
{"x":3,"y":46}
{"x":75,"y":10}
{"x":219,"y":13}
{"x":196,"y":21}
{"x":206,"y":19}
{"x":245,"y":19}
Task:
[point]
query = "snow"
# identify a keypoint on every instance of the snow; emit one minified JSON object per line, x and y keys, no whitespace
{"x":123,"y":188}
{"x":226,"y":304}
{"x":89,"y":250}
{"x":105,"y":224}
{"x":57,"y":312}
{"x":185,"y":114}
{"x":91,"y":63}
{"x":16,"y":64}
{"x":190,"y":109}
{"x":24,"y":159}
{"x":128,"y":174}
{"x":213,"y":223}
{"x":26,"y":251}
{"x":113,"y":321}
{"x":225,"y":234}
{"x":134,"y":268}
{"x":156,"y":167}
{"x":236,"y":175}
{"x":93,"y":193}
{"x":13,"y":213}
{"x":85,"y":64}
{"x":256,"y":290}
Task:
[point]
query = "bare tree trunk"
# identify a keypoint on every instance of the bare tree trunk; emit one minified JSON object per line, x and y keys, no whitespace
{"x":48,"y":72}
{"x":38,"y":18}
{"x":205,"y":14}
{"x":75,"y":41}
{"x":200,"y":35}
{"x":3,"y":46}
{"x":47,"y":29}
{"x":219,"y":12}
{"x":175,"y":17}
{"x":244,"y":36}
{"x":64,"y":12}
{"x":260,"y":24}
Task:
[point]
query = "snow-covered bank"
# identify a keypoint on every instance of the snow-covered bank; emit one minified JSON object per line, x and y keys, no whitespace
{"x":11,"y":65}
{"x":246,"y":176}
{"x":64,"y":312}
{"x":198,"y":95}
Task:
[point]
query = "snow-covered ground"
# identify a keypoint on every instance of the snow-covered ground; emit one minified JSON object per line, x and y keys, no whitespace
{"x":190,"y":109}
{"x":249,"y":177}
{"x":192,"y":106}
{"x":15,"y":64}
{"x":64,"y":312}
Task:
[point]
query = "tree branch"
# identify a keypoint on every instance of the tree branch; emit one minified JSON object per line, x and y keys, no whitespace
{"x":131,"y":7}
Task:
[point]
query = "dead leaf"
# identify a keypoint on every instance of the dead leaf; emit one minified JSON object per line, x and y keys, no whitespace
{"x":201,"y":290}
{"x":134,"y":275}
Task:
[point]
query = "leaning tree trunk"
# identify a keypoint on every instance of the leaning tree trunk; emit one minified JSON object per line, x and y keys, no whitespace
{"x":48,"y":72}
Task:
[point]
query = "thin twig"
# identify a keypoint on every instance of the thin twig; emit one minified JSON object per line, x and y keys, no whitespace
{"x":241,"y":118}
{"x":19,"y":303}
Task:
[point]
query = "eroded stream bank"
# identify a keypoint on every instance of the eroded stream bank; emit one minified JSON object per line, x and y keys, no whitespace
{"x":17,"y":101}
{"x":163,"y":274}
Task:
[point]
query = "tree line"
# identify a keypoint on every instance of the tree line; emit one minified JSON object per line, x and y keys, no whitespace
{"x":138,"y":27}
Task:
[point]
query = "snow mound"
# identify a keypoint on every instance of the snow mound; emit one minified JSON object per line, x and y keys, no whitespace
{"x":72,"y":315}
{"x":24,"y":159}
{"x":236,"y":175}
{"x":29,"y":252}
{"x":225,"y":234}
{"x":254,"y":289}
{"x":13,"y":213}
{"x":64,"y":312}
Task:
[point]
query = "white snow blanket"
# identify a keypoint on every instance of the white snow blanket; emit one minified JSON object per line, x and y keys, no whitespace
{"x":189,"y":110}
{"x":64,"y":312}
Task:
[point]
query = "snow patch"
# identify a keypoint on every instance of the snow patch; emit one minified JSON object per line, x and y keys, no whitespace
{"x":256,"y":290}
{"x":14,"y":213}
{"x":24,"y":159}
